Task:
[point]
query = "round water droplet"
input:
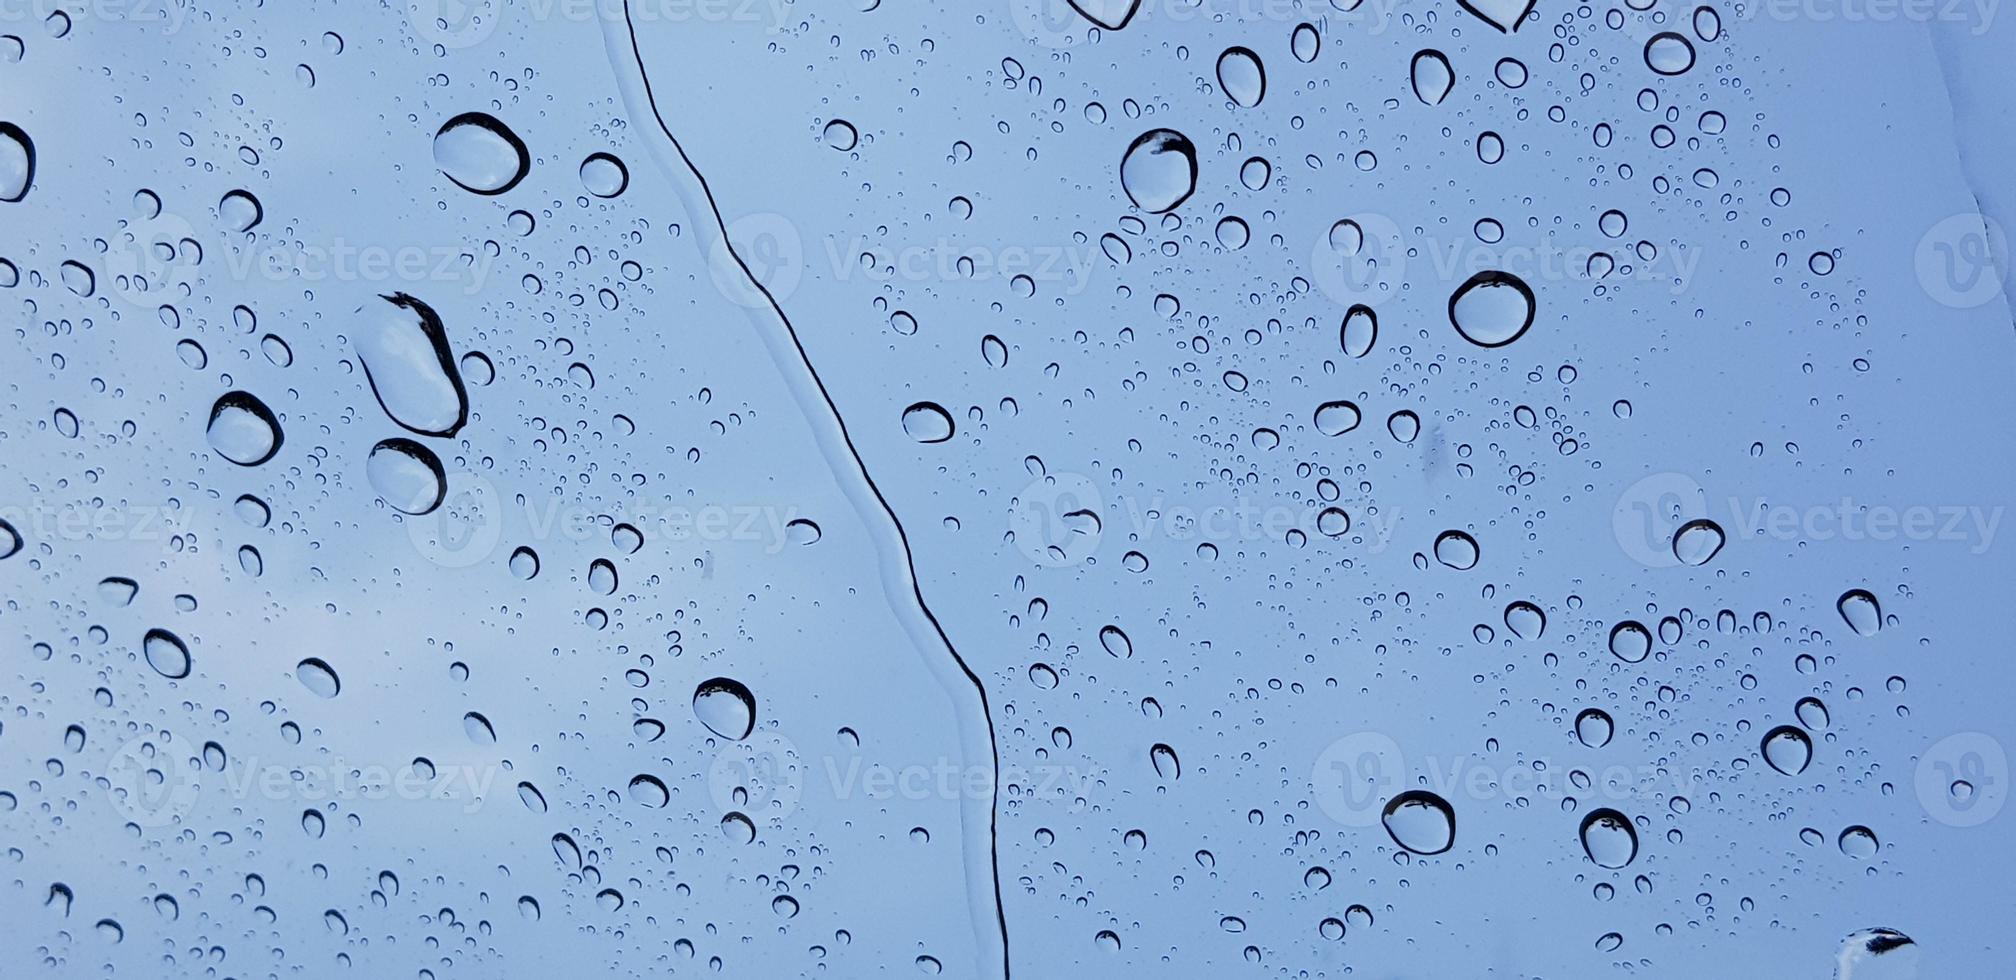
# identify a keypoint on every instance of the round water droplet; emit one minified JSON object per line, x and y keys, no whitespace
{"x":1669,"y":53}
{"x":240,"y":211}
{"x":1492,"y":309}
{"x":1159,"y":170}
{"x":1608,"y":838}
{"x":1403,"y":425}
{"x":1525,"y":620}
{"x":1859,"y":842}
{"x":1787,"y":749}
{"x":481,"y":154}
{"x":1242,"y":77}
{"x":17,"y":163}
{"x":166,"y":653}
{"x":243,"y":430}
{"x":840,"y":135}
{"x":318,"y":677}
{"x":524,"y":563}
{"x":407,"y":475}
{"x":726,"y":707}
{"x":1336,"y":418}
{"x":926,"y":422}
{"x":1457,"y":550}
{"x":738,"y":828}
{"x":604,"y":175}
{"x":1593,"y":727}
{"x":1861,"y":611}
{"x":1630,"y":641}
{"x":1432,"y":76}
{"x":1697,"y":541}
{"x":1421,"y":822}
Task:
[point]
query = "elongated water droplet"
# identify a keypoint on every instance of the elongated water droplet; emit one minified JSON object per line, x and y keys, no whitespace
{"x":1420,"y":821}
{"x":318,"y":677}
{"x":648,"y":790}
{"x":1787,"y":749}
{"x":1432,"y":76}
{"x":1608,"y":838}
{"x":479,"y":729}
{"x":1116,"y":642}
{"x":1360,"y":330}
{"x":1492,"y":309}
{"x":409,"y":366}
{"x":481,"y":154}
{"x":243,"y":430}
{"x":726,"y":707}
{"x":1242,"y":77}
{"x":1812,"y":713}
{"x":17,"y":163}
{"x":166,"y":653}
{"x":1159,"y":170}
{"x":1305,"y":42}
{"x":407,"y":475}
{"x":1861,"y":611}
{"x":1164,"y":759}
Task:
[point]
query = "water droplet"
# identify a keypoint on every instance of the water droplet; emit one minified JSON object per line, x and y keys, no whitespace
{"x":409,"y":366}
{"x":1669,"y":53}
{"x":1858,"y":842}
{"x":1593,"y":727}
{"x":115,"y":590}
{"x":1336,"y":418}
{"x":407,"y":475}
{"x":1305,"y":43}
{"x":1525,"y":620}
{"x":926,"y":422}
{"x":481,"y":154}
{"x":1861,"y":611}
{"x":1697,"y":541}
{"x":604,"y":175}
{"x":318,"y":677}
{"x":1608,"y":838}
{"x":650,"y":791}
{"x":1159,"y":170}
{"x":1164,"y":759}
{"x":479,"y":729}
{"x":840,"y":135}
{"x":1242,"y":77}
{"x":1492,"y":309}
{"x":1630,"y":641}
{"x":1421,"y":822}
{"x":243,"y":430}
{"x":1432,"y":76}
{"x":1457,"y":550}
{"x":1403,"y":425}
{"x":166,"y":653}
{"x":240,"y":210}
{"x":524,"y":563}
{"x":1360,"y":330}
{"x":17,"y":163}
{"x":1116,"y":642}
{"x":1812,"y":714}
{"x":726,"y":707}
{"x":1787,"y":749}
{"x":738,"y":828}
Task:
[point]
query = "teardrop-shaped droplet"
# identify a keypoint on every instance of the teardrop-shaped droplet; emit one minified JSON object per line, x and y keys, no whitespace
{"x":479,"y":729}
{"x":1242,"y":77}
{"x":166,"y":653}
{"x":1787,"y":749}
{"x":1432,"y":76}
{"x":1336,"y":418}
{"x":926,"y":422}
{"x":1697,"y":541}
{"x":481,"y":154}
{"x":1456,"y":549}
{"x":1812,"y":714}
{"x":1492,"y":308}
{"x":1360,"y":330}
{"x":1116,"y":642}
{"x":318,"y":677}
{"x":1166,"y":764}
{"x":243,"y":430}
{"x":1630,"y":641}
{"x":1159,"y":170}
{"x":726,"y":707}
{"x":1525,"y":620}
{"x":409,"y":366}
{"x":17,"y":163}
{"x":1593,"y":727}
{"x":1608,"y":838}
{"x":1669,"y":53}
{"x":1861,"y":611}
{"x":1421,"y":822}
{"x":648,"y":790}
{"x":407,"y":475}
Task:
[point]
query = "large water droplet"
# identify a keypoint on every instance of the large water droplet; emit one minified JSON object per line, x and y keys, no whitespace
{"x":240,"y":210}
{"x":1858,"y":842}
{"x":1456,"y":549}
{"x":650,"y":791}
{"x":1336,"y":418}
{"x":408,"y":364}
{"x":1360,"y":330}
{"x":1166,"y":764}
{"x":10,"y":540}
{"x":166,"y":653}
{"x":318,"y":677}
{"x":1630,"y":641}
{"x":604,"y":175}
{"x":243,"y":430}
{"x":479,"y":729}
{"x":1432,"y":76}
{"x":1608,"y":838}
{"x":1593,"y":727}
{"x":1861,"y":611}
{"x":1697,"y":541}
{"x":1787,"y":749}
{"x":481,"y":154}
{"x":1525,"y":620}
{"x":726,"y":707}
{"x":1492,"y":309}
{"x":1159,"y":170}
{"x":1421,"y":822}
{"x":1669,"y":53}
{"x":927,"y":422}
{"x":407,"y":475}
{"x":17,"y":163}
{"x":1242,"y":76}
